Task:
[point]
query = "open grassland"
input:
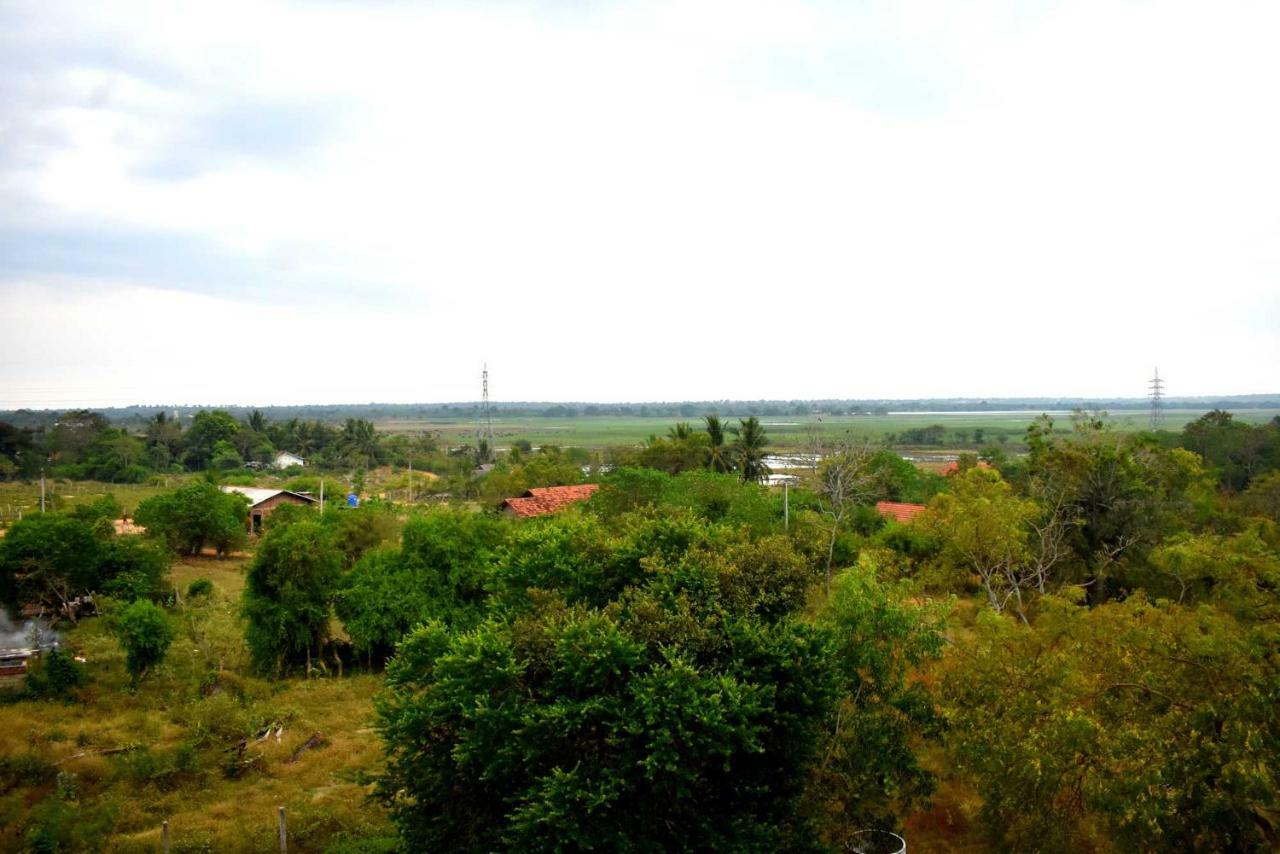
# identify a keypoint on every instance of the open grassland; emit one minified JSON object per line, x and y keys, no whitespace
{"x":18,"y":498}
{"x":170,"y":741}
{"x":784,"y":431}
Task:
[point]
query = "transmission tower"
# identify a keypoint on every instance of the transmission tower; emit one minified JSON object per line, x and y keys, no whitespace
{"x":1157,"y":400}
{"x":488,"y":414}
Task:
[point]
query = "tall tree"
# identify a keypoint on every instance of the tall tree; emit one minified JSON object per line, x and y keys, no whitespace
{"x":749,"y":449}
{"x":288,"y":595}
{"x":719,"y":458}
{"x":359,"y":443}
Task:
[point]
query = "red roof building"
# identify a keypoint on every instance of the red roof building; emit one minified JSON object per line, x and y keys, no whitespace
{"x":954,"y":466}
{"x":543,"y":500}
{"x":899,"y":512}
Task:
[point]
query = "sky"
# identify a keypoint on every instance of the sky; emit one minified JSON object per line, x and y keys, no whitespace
{"x":328,"y":202}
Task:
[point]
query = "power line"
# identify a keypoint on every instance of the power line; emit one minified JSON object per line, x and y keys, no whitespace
{"x":488,"y":415}
{"x":1156,"y":394}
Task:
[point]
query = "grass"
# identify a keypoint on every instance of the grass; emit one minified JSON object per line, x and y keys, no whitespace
{"x":19,"y":498}
{"x":783,"y":431}
{"x":180,"y":722}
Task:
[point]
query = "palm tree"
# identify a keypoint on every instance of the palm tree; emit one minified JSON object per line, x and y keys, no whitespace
{"x":359,"y":442}
{"x":718,"y":459}
{"x":749,"y":449}
{"x":680,"y":432}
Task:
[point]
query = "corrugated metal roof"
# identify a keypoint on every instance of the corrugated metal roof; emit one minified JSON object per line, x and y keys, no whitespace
{"x":258,"y":495}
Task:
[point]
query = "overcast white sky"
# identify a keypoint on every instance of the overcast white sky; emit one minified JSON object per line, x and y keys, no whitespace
{"x":352,"y":202}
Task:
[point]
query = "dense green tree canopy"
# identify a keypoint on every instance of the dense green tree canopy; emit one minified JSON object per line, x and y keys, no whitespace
{"x":51,"y":559}
{"x":195,"y":516}
{"x":650,"y":684}
{"x":288,"y":595}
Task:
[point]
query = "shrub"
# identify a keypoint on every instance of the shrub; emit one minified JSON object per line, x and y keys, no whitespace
{"x":145,"y":635}
{"x":200,"y":587}
{"x":55,"y":675}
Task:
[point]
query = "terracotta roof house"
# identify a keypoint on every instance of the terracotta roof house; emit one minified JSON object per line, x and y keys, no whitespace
{"x":954,"y":466}
{"x":543,"y":500}
{"x":899,"y":512}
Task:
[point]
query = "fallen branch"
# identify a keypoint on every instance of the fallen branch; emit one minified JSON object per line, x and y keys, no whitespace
{"x":107,"y":751}
{"x":316,"y":740}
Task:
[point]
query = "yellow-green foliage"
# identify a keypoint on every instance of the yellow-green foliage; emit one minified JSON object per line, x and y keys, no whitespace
{"x":180,"y":722}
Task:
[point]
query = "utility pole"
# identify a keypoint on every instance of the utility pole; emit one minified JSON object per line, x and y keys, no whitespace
{"x":786,"y":505}
{"x":488,"y":416}
{"x":321,"y":496}
{"x":41,"y":490}
{"x":1157,"y":400}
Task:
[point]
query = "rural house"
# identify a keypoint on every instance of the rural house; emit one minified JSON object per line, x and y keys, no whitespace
{"x":543,"y":500}
{"x":284,"y":460}
{"x":263,"y":501}
{"x":897,"y":511}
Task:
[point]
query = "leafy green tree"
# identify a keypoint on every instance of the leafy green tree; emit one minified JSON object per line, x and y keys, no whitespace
{"x":651,"y":688}
{"x":749,"y":449}
{"x":440,"y":572}
{"x":288,"y":595}
{"x":1147,"y":727}
{"x":569,"y":728}
{"x":1119,"y":496}
{"x":206,"y":431}
{"x":870,"y":775}
{"x":984,"y":527}
{"x":49,"y":559}
{"x":133,"y":568}
{"x":1236,"y":451}
{"x":225,"y":456}
{"x":100,"y":513}
{"x":18,"y":452}
{"x":145,"y":634}
{"x":673,"y":455}
{"x":74,"y":433}
{"x":163,"y":437}
{"x":194,"y":516}
{"x":55,"y":674}
{"x":629,"y":488}
{"x":359,"y":443}
{"x":1262,"y":498}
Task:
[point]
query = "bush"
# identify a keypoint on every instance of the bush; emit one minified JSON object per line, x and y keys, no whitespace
{"x":55,"y":675}
{"x":201,"y":587}
{"x":145,"y":635}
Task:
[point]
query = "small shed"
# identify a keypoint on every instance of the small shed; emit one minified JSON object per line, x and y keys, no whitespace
{"x":263,"y":501}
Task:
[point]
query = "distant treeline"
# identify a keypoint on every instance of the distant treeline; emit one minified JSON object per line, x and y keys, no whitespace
{"x":84,"y":445}
{"x":339,"y":413}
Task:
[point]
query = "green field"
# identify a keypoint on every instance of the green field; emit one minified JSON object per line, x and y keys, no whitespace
{"x":784,"y":431}
{"x":19,"y":499}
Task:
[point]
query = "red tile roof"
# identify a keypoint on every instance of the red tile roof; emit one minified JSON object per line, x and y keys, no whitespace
{"x":954,"y":466}
{"x":542,"y":500}
{"x":899,"y":512}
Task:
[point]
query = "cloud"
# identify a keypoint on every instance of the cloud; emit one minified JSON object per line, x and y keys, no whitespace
{"x":795,"y":199}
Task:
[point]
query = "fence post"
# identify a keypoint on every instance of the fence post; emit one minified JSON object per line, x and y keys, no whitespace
{"x":284,"y":845}
{"x":164,"y":836}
